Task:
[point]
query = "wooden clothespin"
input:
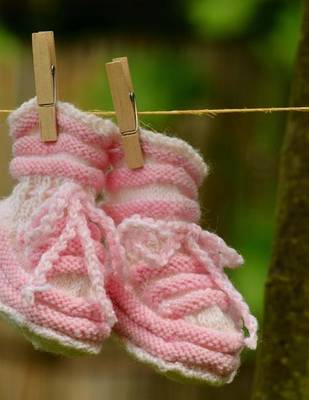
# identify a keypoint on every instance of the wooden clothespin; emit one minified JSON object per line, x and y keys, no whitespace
{"x":44,"y":62}
{"x":121,"y":86}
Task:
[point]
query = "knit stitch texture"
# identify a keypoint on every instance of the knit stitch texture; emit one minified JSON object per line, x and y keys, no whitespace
{"x":176,"y":308}
{"x":52,"y":260}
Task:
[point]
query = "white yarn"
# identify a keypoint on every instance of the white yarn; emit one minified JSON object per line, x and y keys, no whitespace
{"x":213,"y":318}
{"x":151,"y":192}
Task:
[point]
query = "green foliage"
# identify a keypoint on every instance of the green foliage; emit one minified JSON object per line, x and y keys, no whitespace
{"x":158,"y":84}
{"x":216,"y":19}
{"x":9,"y":45}
{"x":278,"y":49}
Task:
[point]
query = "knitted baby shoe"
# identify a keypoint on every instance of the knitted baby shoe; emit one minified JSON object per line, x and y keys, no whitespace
{"x":176,"y":308}
{"x":52,"y":262}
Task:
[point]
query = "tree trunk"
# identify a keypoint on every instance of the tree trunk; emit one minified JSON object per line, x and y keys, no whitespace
{"x":283,"y":359}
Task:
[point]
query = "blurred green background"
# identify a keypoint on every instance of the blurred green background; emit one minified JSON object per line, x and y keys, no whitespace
{"x":183,"y":54}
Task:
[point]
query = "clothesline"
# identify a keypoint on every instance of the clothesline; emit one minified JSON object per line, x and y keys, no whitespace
{"x":205,"y":111}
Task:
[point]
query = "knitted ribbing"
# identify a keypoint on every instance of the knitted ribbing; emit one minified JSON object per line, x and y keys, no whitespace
{"x":166,"y":187}
{"x":77,"y":154}
{"x":176,"y":308}
{"x":52,"y":258}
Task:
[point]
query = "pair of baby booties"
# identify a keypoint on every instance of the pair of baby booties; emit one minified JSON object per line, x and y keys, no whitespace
{"x":72,"y":268}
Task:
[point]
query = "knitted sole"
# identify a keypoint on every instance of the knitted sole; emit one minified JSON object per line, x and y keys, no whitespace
{"x":45,"y":339}
{"x":174,"y":371}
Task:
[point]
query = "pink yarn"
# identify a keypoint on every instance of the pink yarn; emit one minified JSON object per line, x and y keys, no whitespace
{"x":38,"y":166}
{"x":85,"y":127}
{"x":53,"y":264}
{"x":176,"y":308}
{"x":161,"y":154}
{"x":166,"y":174}
{"x":186,"y":209}
{"x":66,"y":143}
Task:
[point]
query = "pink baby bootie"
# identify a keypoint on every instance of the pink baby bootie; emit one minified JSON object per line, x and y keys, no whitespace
{"x":52,"y":260}
{"x":176,"y":308}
